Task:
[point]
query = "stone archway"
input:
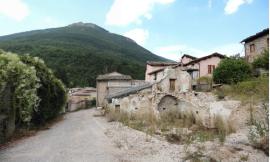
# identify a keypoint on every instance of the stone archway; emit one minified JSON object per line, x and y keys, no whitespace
{"x":167,"y":102}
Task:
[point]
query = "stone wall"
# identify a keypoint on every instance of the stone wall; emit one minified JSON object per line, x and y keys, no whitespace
{"x":260,"y":45}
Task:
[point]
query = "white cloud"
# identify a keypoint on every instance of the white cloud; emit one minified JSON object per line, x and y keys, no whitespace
{"x":174,"y":52}
{"x":124,"y":12}
{"x":138,"y":35}
{"x":233,"y":5}
{"x":15,"y":9}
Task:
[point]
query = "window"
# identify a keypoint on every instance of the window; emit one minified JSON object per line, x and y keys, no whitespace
{"x":211,"y":68}
{"x":252,"y":48}
{"x":155,"y":76}
{"x":172,"y":84}
{"x":267,"y":42}
{"x":117,"y":108}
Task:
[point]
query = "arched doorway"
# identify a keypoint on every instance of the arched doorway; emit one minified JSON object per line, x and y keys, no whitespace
{"x":167,"y":103}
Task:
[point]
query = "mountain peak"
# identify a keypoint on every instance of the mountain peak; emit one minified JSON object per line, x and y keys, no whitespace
{"x":82,"y":24}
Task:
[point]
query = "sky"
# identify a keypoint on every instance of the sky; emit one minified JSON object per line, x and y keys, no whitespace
{"x":169,"y":28}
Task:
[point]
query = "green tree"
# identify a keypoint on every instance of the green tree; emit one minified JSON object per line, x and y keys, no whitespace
{"x":51,"y":92}
{"x":23,"y":84}
{"x":231,"y":70}
{"x":262,"y":61}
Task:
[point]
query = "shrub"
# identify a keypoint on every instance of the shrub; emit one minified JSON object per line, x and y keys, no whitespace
{"x":231,"y":71}
{"x":205,"y":80}
{"x":262,"y":61}
{"x":23,"y":84}
{"x":256,"y":89}
{"x":51,"y":92}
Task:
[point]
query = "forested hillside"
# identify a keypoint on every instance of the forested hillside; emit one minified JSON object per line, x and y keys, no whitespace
{"x":79,"y":52}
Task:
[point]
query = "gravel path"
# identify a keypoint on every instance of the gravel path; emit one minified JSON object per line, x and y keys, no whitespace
{"x":79,"y":137}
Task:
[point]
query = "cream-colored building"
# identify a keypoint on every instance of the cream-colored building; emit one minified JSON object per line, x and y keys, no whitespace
{"x":256,"y":44}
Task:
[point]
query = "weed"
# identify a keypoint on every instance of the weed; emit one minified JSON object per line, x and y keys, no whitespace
{"x":244,"y":158}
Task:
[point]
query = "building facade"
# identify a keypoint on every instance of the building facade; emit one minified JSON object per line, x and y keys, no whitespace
{"x":256,"y":44}
{"x":196,"y":67}
{"x":203,"y":66}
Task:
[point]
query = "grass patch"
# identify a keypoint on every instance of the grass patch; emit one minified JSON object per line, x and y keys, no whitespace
{"x":255,"y":89}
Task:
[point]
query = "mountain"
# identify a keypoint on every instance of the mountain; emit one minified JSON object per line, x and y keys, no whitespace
{"x":77,"y":53}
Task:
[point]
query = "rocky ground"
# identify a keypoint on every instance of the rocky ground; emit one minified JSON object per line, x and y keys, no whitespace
{"x":138,"y":146}
{"x":86,"y":136}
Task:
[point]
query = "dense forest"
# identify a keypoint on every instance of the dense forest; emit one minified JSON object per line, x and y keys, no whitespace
{"x":79,"y":52}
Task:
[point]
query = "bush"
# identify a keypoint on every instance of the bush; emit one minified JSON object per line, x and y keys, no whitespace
{"x":262,"y":61}
{"x":205,"y":80}
{"x":22,"y":82}
{"x":231,"y":71}
{"x":51,"y":92}
{"x":255,"y":88}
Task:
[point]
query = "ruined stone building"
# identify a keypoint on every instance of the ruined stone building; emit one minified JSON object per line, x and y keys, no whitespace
{"x":156,"y":96}
{"x":111,"y":83}
{"x":171,"y":92}
{"x":256,"y":44}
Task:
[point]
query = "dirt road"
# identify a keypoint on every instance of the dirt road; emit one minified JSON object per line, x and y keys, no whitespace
{"x":79,"y":137}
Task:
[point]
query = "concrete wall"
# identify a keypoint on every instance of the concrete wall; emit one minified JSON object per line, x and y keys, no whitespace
{"x":260,"y":45}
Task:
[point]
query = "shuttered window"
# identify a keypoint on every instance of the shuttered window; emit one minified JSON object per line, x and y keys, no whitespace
{"x":211,"y":68}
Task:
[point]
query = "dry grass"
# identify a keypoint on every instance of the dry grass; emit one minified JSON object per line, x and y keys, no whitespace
{"x":168,"y":121}
{"x":223,"y":128}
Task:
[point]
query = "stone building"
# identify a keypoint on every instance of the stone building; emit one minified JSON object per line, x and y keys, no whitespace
{"x":256,"y":44}
{"x":111,"y":83}
{"x":157,"y":96}
{"x":152,"y":66}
